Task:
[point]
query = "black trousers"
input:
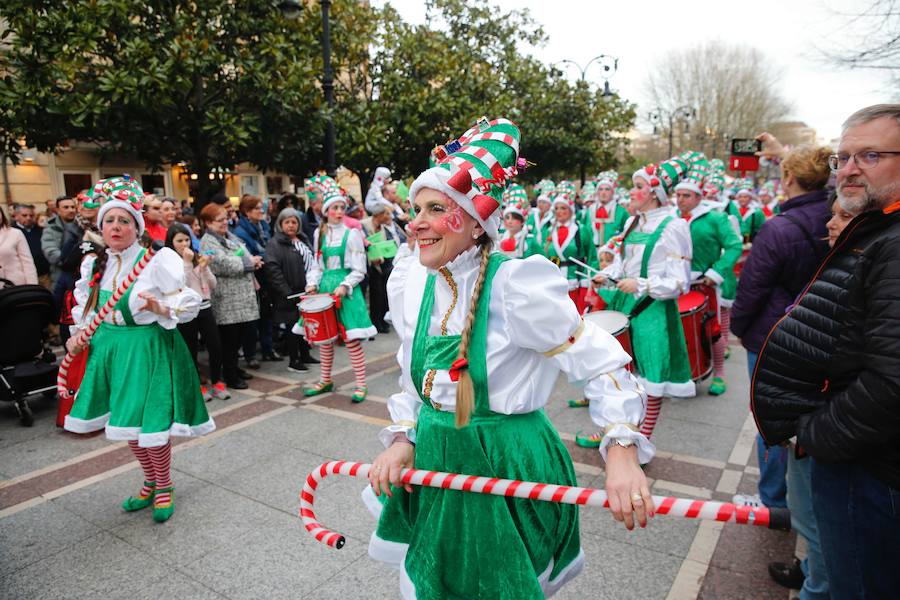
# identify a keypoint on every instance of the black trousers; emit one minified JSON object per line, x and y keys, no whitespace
{"x":204,"y":325}
{"x":378,"y":301}
{"x":231,"y":336}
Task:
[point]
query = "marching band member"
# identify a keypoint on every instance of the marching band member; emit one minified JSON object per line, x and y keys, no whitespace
{"x":567,"y":240}
{"x":607,"y":218}
{"x":652,"y":269}
{"x":483,"y":339}
{"x":538,"y":223}
{"x":340,"y":267}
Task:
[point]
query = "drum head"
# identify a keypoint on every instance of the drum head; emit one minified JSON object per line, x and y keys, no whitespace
{"x":611,"y":321}
{"x":316,"y":303}
{"x":691,"y":302}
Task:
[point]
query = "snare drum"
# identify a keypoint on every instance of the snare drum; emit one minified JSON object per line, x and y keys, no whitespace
{"x":739,"y":265}
{"x":692,"y":307}
{"x":616,"y":324}
{"x":319,"y":318}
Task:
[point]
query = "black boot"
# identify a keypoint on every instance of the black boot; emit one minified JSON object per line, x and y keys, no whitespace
{"x":787,"y":575}
{"x":305,"y":356}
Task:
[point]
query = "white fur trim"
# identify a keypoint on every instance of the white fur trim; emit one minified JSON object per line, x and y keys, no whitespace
{"x":436,"y":178}
{"x":667,"y":388}
{"x":570,"y":572}
{"x":362,"y":333}
{"x":690,"y":186}
{"x":127,"y":207}
{"x":659,"y":189}
{"x":81,"y":426}
{"x":712,"y":274}
{"x":391,"y":553}
{"x":332,"y":201}
{"x":371,"y":501}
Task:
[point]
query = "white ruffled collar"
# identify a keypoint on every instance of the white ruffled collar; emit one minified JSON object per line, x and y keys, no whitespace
{"x":467,"y":261}
{"x":129,"y":252}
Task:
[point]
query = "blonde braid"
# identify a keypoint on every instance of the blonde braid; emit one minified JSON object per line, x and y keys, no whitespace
{"x":323,"y":228}
{"x":465,"y":389}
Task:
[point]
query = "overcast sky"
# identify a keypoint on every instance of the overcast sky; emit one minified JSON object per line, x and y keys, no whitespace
{"x":637,"y":32}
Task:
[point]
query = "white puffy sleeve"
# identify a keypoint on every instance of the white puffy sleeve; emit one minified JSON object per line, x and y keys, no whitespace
{"x":81,"y":293}
{"x":355,"y":259}
{"x":317,"y":264}
{"x":541,"y":317}
{"x":164,"y":279}
{"x":403,"y":406}
{"x":669,"y":271}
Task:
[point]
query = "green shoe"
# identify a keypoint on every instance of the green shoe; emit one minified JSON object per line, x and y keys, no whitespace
{"x":583,"y":403}
{"x":133,"y":503}
{"x":161,"y":514}
{"x":727,"y":353}
{"x":318,"y":389}
{"x":359,"y":394}
{"x":718,"y":387}
{"x":589,"y":441}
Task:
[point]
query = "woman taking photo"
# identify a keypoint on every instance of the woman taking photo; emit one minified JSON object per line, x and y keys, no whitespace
{"x":234,"y":297}
{"x":139,"y":383}
{"x":483,"y":339}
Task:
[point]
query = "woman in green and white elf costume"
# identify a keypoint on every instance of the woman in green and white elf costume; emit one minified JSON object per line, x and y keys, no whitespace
{"x":566,"y":240}
{"x":652,"y":269}
{"x":340,"y":267}
{"x":483,"y":339}
{"x":605,"y":218}
{"x":139,"y":382}
{"x":540,"y":219}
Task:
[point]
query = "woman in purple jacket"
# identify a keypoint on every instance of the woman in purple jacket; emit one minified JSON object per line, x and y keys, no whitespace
{"x":786,"y":252}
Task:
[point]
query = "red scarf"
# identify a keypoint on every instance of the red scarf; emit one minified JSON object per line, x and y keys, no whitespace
{"x":561,"y":234}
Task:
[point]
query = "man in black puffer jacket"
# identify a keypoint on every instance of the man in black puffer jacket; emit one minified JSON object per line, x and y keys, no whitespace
{"x":829,"y":372}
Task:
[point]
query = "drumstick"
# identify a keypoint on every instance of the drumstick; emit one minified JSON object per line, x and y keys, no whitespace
{"x":581,"y":264}
{"x":773,"y":518}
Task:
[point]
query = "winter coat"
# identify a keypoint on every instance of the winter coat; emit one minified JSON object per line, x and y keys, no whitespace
{"x":784,"y":257}
{"x":33,"y":237}
{"x":254,"y":235}
{"x":234,"y":297}
{"x":829,"y":372}
{"x":51,"y":244}
{"x":286,"y":270}
{"x":16,"y":263}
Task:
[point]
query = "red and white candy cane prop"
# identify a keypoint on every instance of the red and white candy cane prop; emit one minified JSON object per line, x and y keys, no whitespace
{"x":676,"y":507}
{"x":62,"y":386}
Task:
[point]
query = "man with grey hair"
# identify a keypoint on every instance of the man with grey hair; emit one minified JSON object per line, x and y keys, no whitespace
{"x":829,"y":372}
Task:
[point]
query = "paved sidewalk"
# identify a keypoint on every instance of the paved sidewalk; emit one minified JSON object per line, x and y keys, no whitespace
{"x":235,"y":533}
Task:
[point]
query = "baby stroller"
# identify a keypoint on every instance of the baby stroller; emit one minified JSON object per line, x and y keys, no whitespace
{"x":27,"y":365}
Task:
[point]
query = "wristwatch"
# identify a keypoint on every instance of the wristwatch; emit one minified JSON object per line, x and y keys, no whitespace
{"x":620,"y":442}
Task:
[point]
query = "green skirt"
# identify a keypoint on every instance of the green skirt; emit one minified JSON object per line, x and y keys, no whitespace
{"x":660,"y":352}
{"x":139,"y":384}
{"x":453,"y":545}
{"x":353,"y":314}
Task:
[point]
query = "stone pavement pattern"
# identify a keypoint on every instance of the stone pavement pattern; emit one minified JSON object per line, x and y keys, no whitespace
{"x":235,"y":533}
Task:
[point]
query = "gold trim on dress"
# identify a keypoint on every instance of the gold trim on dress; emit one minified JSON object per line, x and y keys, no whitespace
{"x":612,"y":426}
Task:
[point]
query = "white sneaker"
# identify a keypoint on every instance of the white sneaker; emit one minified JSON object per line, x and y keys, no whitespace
{"x":219,"y":391}
{"x":752,"y":501}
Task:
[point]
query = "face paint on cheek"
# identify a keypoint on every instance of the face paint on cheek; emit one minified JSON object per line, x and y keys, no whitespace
{"x":450,"y":222}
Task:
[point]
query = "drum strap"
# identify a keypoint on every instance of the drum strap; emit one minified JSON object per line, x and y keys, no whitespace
{"x":651,"y":240}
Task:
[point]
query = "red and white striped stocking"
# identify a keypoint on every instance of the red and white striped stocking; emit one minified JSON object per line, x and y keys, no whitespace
{"x":326,"y":360}
{"x":725,"y":322}
{"x":358,"y":361}
{"x":718,"y":356}
{"x":162,"y":465}
{"x":653,"y":405}
{"x":143,"y":457}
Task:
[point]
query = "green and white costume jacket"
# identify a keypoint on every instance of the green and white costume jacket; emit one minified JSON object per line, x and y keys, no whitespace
{"x":577,"y":244}
{"x":140,"y":382}
{"x":657,"y":254}
{"x":537,"y":228}
{"x":448,"y":544}
{"x":604,"y":221}
{"x":716,"y":249}
{"x":342,"y":261}
{"x":751,"y":221}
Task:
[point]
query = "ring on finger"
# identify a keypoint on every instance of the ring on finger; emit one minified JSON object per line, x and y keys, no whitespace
{"x":636,"y":498}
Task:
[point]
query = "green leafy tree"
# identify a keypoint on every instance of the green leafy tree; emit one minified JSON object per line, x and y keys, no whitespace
{"x":206,"y":82}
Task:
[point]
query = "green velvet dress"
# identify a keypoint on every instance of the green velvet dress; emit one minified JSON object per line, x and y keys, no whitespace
{"x":454,"y":544}
{"x":139,"y":383}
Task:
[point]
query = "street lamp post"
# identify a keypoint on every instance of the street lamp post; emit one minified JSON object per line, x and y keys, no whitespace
{"x":610,"y":65}
{"x":291,"y":9}
{"x":684,"y":112}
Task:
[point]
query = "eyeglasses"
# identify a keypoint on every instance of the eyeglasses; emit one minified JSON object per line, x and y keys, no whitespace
{"x":864,"y":160}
